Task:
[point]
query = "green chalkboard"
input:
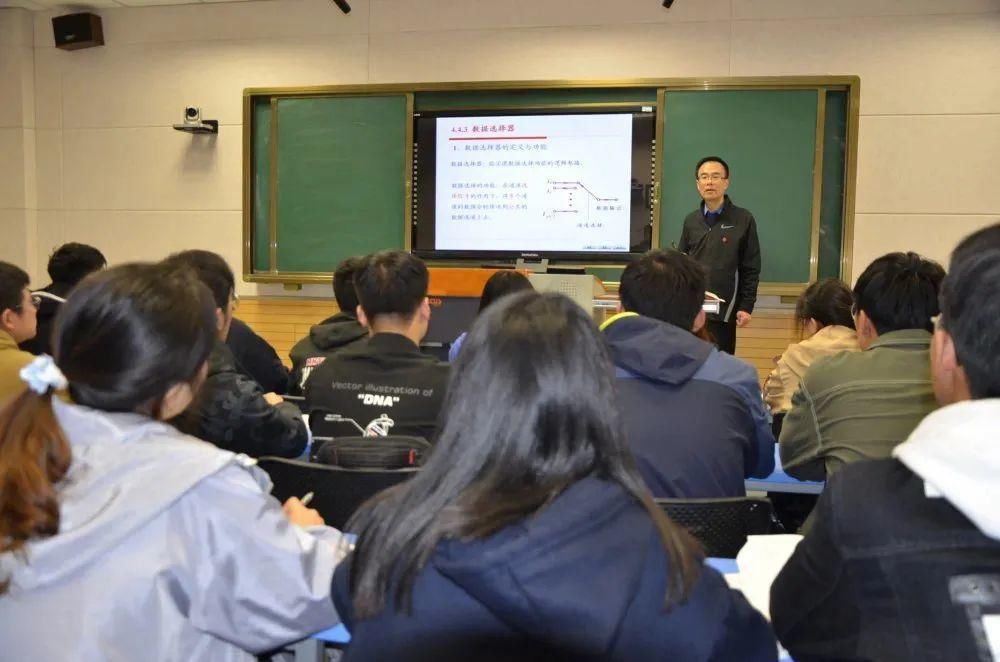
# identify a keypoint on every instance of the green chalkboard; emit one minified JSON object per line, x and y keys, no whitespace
{"x":768,"y":138}
{"x":831,"y":226}
{"x":261,"y":185}
{"x":340,"y":179}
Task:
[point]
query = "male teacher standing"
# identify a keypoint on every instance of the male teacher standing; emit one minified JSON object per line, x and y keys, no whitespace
{"x":723,"y":237}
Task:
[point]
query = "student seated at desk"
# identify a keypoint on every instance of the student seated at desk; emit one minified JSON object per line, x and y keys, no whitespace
{"x":499,"y":284}
{"x":68,"y":265}
{"x":693,"y":415}
{"x":18,"y":322}
{"x":903,"y":558}
{"x":859,"y":405}
{"x":120,"y":537}
{"x":386,"y":383}
{"x":256,"y":358}
{"x":232,"y":411}
{"x":823,"y":313}
{"x":333,"y":334}
{"x":528,"y":534}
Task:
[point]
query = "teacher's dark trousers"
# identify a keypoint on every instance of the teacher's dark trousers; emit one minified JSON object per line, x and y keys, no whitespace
{"x":724,"y":334}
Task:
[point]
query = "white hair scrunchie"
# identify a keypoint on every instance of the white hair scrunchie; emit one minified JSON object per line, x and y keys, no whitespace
{"x":43,"y":374}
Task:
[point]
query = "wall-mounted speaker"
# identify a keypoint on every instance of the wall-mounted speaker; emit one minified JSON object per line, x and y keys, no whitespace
{"x":75,"y":31}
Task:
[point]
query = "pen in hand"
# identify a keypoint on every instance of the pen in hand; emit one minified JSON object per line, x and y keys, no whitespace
{"x":298,"y":512}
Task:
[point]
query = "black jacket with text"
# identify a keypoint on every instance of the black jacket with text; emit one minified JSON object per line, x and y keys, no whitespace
{"x":384,"y":382}
{"x":730,"y":251}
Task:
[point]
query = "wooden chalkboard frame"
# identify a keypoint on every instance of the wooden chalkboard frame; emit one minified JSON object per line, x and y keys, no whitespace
{"x":849,"y":84}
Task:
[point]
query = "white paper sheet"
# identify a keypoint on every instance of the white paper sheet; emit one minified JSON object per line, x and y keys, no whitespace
{"x":991,"y":624}
{"x":760,"y":561}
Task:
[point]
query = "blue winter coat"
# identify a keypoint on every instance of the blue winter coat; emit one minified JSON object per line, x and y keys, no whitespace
{"x":694,"y":416}
{"x":584,"y":579}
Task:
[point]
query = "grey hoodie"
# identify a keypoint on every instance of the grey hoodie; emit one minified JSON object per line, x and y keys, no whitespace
{"x":168,"y":549}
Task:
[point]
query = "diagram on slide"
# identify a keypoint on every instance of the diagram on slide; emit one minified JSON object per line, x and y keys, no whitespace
{"x":574,"y":200}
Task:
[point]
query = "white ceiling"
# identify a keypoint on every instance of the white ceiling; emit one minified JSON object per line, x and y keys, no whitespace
{"x":69,"y":5}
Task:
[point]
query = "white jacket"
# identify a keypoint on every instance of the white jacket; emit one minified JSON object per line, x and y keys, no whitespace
{"x":168,"y":549}
{"x":956,"y":450}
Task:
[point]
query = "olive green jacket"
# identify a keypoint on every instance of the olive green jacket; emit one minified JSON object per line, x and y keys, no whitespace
{"x":858,"y":405}
{"x":12,"y":360}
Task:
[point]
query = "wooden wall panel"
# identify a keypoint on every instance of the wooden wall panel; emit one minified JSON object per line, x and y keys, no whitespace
{"x":282,"y":322}
{"x":769,"y":333}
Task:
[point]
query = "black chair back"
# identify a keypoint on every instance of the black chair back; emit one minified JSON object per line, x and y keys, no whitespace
{"x":391,"y":452}
{"x":338,"y":492}
{"x":721,"y":525}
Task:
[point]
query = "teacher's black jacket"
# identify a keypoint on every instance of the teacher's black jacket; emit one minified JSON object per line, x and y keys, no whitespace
{"x":730,"y":251}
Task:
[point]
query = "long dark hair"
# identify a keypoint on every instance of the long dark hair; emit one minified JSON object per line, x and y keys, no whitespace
{"x":122,"y":339}
{"x":551,"y":420}
{"x":828,"y":301}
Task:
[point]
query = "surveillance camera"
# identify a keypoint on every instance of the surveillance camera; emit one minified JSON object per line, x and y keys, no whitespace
{"x":193,"y":123}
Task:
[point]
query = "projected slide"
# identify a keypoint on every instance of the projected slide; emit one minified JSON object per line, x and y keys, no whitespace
{"x":538,"y":183}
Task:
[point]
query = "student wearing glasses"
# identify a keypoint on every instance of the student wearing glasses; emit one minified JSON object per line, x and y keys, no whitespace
{"x":68,"y":265}
{"x":723,"y":238}
{"x":232,"y":411}
{"x":18,"y":322}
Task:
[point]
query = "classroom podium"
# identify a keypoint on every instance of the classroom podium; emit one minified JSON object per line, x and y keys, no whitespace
{"x":454,"y":294}
{"x":584,"y":289}
{"x":454,"y":297}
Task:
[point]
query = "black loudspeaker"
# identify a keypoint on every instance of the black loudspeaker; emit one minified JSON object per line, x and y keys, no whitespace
{"x":76,"y":31}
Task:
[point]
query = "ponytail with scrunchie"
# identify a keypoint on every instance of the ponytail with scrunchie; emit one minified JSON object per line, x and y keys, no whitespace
{"x":34,"y":457}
